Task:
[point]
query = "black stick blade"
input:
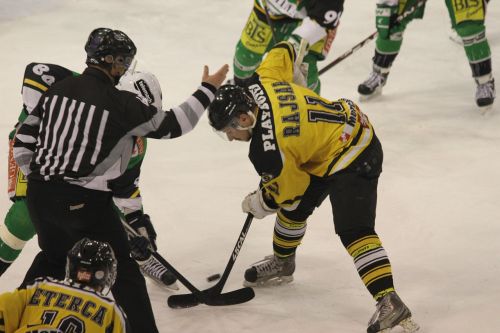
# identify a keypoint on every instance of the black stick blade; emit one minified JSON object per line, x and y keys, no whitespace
{"x":182,"y":301}
{"x":237,"y":296}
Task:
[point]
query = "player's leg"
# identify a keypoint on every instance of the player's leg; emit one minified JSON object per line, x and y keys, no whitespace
{"x":354,"y":198}
{"x":316,"y":52}
{"x":311,"y":62}
{"x":255,"y":40}
{"x":253,"y":43}
{"x":278,"y":267}
{"x":468,"y":19}
{"x":313,"y":82}
{"x":14,"y":233}
{"x":17,"y":228}
{"x":388,"y":43}
{"x":289,"y":229}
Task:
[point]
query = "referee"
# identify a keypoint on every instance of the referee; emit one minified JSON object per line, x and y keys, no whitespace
{"x":80,"y":136}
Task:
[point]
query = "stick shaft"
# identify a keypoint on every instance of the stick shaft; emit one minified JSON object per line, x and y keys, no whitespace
{"x":356,"y":47}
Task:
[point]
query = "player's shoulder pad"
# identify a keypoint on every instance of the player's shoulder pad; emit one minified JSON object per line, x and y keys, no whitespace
{"x":325,"y":12}
{"x":287,"y":46}
{"x":35,"y":282}
{"x":40,"y":76}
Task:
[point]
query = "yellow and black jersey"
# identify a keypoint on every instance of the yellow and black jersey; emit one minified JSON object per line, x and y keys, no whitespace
{"x":48,"y":305}
{"x":298,"y":133}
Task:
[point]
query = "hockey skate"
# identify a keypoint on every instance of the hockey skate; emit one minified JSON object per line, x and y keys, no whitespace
{"x":154,"y":270}
{"x":270,"y":271}
{"x":372,"y":86}
{"x":485,"y":93}
{"x":391,"y":312}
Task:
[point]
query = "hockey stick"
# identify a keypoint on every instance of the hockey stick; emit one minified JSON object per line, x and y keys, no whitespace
{"x":213,"y":294}
{"x":269,"y":21}
{"x":237,"y":296}
{"x":348,"y":53}
{"x":233,"y":297}
{"x":356,"y":47}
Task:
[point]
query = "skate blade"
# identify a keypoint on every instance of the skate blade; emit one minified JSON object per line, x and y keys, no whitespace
{"x":269,"y":283}
{"x":174,"y":286}
{"x":376,"y":93}
{"x":485,"y":110}
{"x":408,"y":325}
{"x":170,"y":287}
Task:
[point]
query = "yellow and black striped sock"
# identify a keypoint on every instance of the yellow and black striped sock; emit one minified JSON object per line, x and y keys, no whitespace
{"x":372,"y":264}
{"x":287,"y":235}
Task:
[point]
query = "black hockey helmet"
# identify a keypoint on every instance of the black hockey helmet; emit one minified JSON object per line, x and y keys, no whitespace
{"x":230,"y":101}
{"x":92,"y":263}
{"x":104,"y":41}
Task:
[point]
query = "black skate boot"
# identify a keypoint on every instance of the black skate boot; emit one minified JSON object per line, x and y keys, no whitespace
{"x":271,"y":270}
{"x":391,"y":312}
{"x":372,"y":86}
{"x":485,"y":92}
{"x":153,"y":269}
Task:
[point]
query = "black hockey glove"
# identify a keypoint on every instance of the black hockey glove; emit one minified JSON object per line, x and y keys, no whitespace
{"x":142,"y":244}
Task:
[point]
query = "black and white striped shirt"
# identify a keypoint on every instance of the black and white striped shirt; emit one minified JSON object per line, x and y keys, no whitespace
{"x":82,"y":129}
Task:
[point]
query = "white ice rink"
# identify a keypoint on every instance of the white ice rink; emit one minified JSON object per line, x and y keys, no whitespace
{"x":439,"y":194}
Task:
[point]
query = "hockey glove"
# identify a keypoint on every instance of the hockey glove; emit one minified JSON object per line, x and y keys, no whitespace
{"x":254,"y":203}
{"x":144,"y":241}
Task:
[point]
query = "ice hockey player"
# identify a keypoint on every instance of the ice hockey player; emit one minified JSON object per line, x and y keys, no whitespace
{"x":313,"y":23}
{"x":126,"y":193}
{"x":77,"y":304}
{"x":307,"y":148}
{"x":467,"y":19}
{"x":18,"y":229}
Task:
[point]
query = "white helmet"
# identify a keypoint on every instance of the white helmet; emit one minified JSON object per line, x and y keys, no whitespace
{"x":145,"y":85}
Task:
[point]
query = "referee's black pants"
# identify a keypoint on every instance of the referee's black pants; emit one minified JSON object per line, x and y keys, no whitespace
{"x":62,"y":214}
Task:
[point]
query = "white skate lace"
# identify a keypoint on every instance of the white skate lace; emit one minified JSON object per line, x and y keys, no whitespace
{"x":268,"y":266}
{"x":153,"y":268}
{"x":485,"y":90}
{"x":384,"y":309}
{"x":374,"y":80}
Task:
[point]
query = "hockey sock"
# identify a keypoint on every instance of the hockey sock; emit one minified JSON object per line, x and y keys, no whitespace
{"x":287,"y":235}
{"x":371,"y":261}
{"x":481,"y":69}
{"x":383,"y":61}
{"x":245,"y":62}
{"x":16,"y":231}
{"x":476,"y":47}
